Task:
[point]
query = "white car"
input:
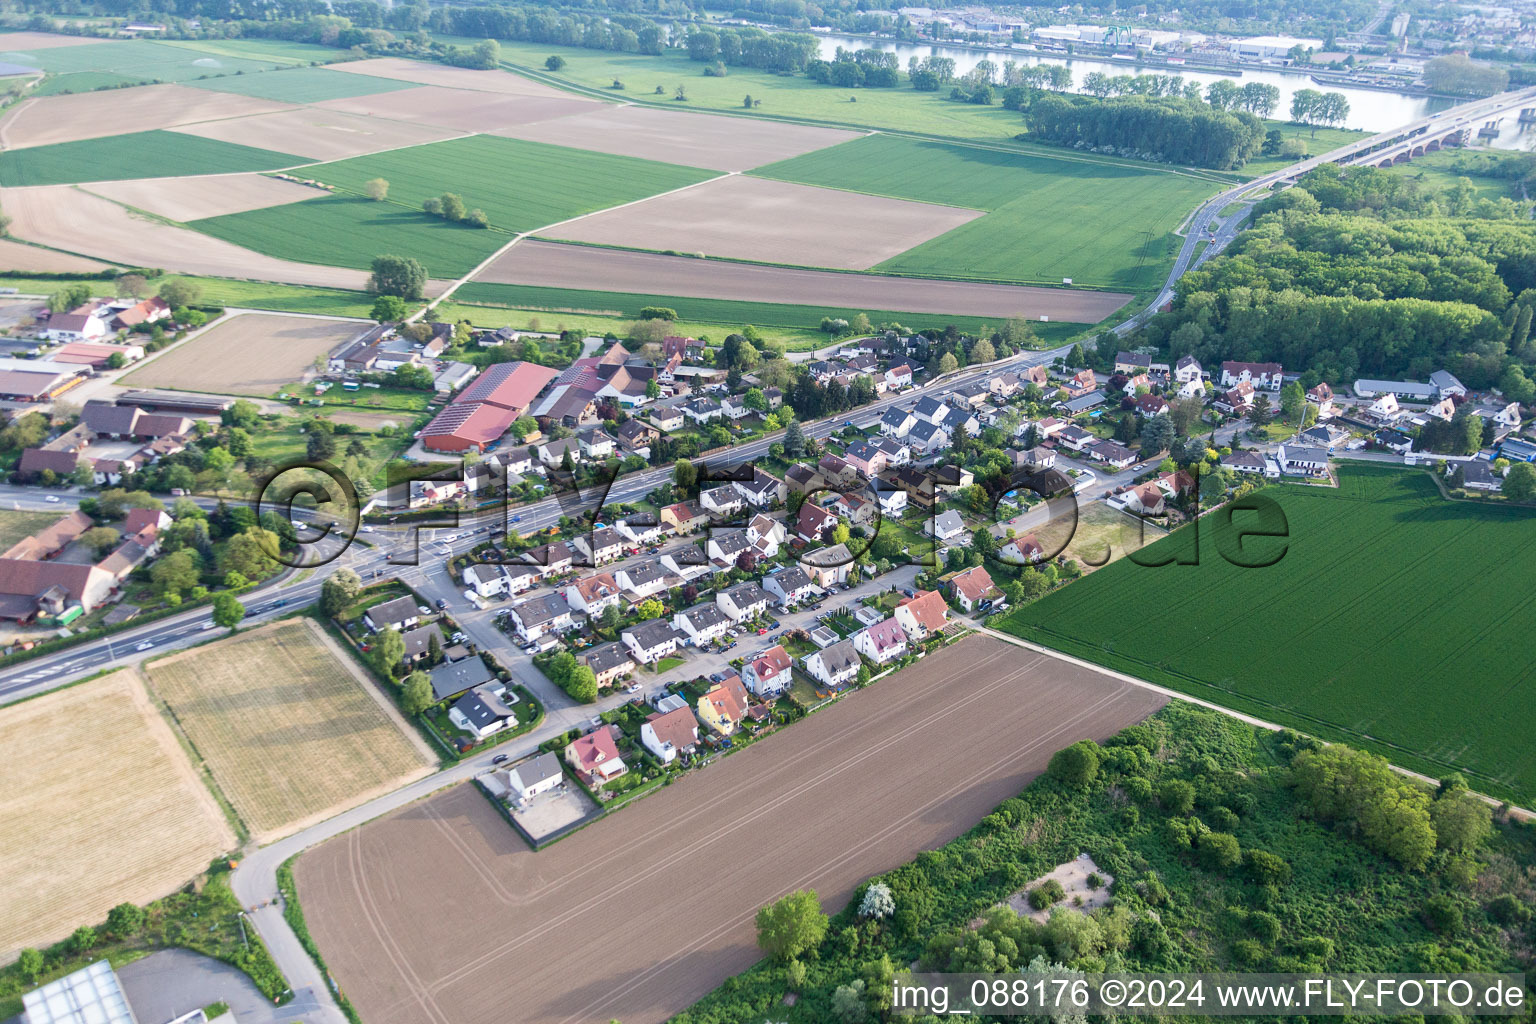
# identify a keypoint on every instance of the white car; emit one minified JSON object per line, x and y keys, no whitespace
{"x":146,"y":645}
{"x":52,"y":499}
{"x":207,"y":625}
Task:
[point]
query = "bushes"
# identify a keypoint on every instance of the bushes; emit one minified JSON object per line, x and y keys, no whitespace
{"x":1076,"y":766}
{"x":1046,"y":893}
{"x":1389,"y":813}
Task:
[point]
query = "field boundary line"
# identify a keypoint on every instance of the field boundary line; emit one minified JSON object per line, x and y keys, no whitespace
{"x":453,"y":286}
{"x":1522,"y":813}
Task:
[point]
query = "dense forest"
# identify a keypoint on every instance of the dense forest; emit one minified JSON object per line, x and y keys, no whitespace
{"x":1169,"y":129}
{"x":1364,"y":272}
{"x":1225,"y":848}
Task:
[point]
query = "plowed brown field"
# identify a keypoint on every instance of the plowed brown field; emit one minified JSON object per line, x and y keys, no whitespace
{"x":439,"y":914}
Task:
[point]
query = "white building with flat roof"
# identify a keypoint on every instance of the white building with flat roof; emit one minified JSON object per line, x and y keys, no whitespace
{"x":91,"y":995}
{"x":1269,"y":47}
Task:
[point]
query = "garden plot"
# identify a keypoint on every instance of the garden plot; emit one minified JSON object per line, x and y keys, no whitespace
{"x":772,"y":222}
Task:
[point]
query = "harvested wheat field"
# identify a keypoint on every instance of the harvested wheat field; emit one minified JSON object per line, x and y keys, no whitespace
{"x":19,"y":256}
{"x":319,"y":134}
{"x":745,"y":218}
{"x":424,"y":914}
{"x":203,"y":195}
{"x":402,"y":70}
{"x":248,"y":354}
{"x":289,"y":726}
{"x":71,"y":219}
{"x":682,"y":137}
{"x":462,"y":109}
{"x":99,"y":805}
{"x":551,"y":265}
{"x":42,"y":120}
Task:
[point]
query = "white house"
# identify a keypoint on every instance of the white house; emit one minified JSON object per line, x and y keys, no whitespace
{"x":1385,"y":408}
{"x":882,"y":641}
{"x":898,"y":376}
{"x":651,"y":641}
{"x":602,"y":545}
{"x":483,"y":711}
{"x":725,"y":546}
{"x":1187,"y":370}
{"x":836,"y":665}
{"x":945,"y":526}
{"x":724,"y":500}
{"x":671,"y":733}
{"x":593,"y":594}
{"x":767,"y":673}
{"x":897,"y":423}
{"x":790,"y":586}
{"x":764,"y":490}
{"x":640,"y":529}
{"x":534,"y":617}
{"x":641,"y":579}
{"x":703,"y":623}
{"x":539,"y":775}
{"x":893,"y":502}
{"x":767,"y":534}
{"x":743,"y":601}
{"x":1260,"y":375}
{"x":931,"y":410}
{"x":1300,"y":461}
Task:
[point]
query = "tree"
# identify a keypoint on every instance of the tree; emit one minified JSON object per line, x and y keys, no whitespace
{"x":388,"y":651}
{"x":416,"y":694}
{"x":1076,"y":766}
{"x":1260,"y":414}
{"x":554,"y":62}
{"x":1520,"y":483}
{"x":1157,"y":435}
{"x":983,"y":352}
{"x":175,"y":572}
{"x":179,"y":292}
{"x":397,"y":275}
{"x":1461,"y":821}
{"x":1292,"y":399}
{"x":1219,"y":850}
{"x":877,"y":901}
{"x":248,"y":553}
{"x":68,"y":297}
{"x":649,"y":609}
{"x":132,"y":285}
{"x":388,"y":309}
{"x":376,"y":189}
{"x":100,"y":539}
{"x":477,"y":218}
{"x":339,"y":590}
{"x":794,"y":439}
{"x":227,"y":610}
{"x":126,"y":920}
{"x":948,"y":364}
{"x":848,"y":1003}
{"x":30,"y":963}
{"x":793,"y":925}
{"x":82,"y":940}
{"x":582,"y":685}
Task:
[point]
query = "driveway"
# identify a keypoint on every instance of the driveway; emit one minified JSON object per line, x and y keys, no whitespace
{"x":167,"y":984}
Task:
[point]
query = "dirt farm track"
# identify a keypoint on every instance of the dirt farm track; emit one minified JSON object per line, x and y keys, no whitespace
{"x":439,"y":914}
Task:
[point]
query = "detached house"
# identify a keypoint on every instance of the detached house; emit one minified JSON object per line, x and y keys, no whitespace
{"x":684,"y":517}
{"x":767,"y":673}
{"x":743,"y":601}
{"x":897,"y":423}
{"x":790,"y":586}
{"x":401,"y":614}
{"x":764,"y":490}
{"x":602,"y":545}
{"x":703,"y":623}
{"x":670,"y":734}
{"x":1187,"y":369}
{"x":641,"y":580}
{"x":609,"y":662}
{"x":922,"y":615}
{"x":724,"y":705}
{"x":595,"y":756}
{"x":593,"y":594}
{"x":651,"y":641}
{"x":1025,"y":550}
{"x":1266,"y":376}
{"x":723,"y":501}
{"x":813,"y":522}
{"x":973,"y":586}
{"x":898,"y":376}
{"x":882,"y":641}
{"x":836,"y":665}
{"x":534,"y":617}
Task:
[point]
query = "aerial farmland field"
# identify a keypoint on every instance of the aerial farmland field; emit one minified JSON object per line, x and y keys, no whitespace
{"x":99,"y":805}
{"x":1104,"y":224}
{"x":151,"y":154}
{"x":1394,"y":621}
{"x":289,"y":727}
{"x":300,"y":85}
{"x":520,"y":185}
{"x":249,"y":354}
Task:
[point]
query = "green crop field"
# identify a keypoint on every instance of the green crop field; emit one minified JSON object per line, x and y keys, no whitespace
{"x":520,"y":185}
{"x":1049,"y":216}
{"x":727,"y":312}
{"x":1396,"y":620}
{"x":152,"y":154}
{"x":138,"y":60}
{"x":84,"y":81}
{"x":302,"y":85}
{"x":349,"y":231}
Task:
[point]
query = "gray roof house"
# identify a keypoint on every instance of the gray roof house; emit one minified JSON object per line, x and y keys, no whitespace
{"x":454,"y":677}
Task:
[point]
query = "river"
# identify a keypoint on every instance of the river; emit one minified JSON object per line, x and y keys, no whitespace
{"x":1371,"y":110}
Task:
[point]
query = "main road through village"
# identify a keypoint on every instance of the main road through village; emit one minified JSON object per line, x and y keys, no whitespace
{"x":254,"y":881}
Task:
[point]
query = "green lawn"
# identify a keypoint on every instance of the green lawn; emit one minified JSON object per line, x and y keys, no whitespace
{"x":718,"y":312}
{"x":1438,"y":171}
{"x":224,"y":291}
{"x":1317,"y":141}
{"x":16,"y":525}
{"x":1049,"y":217}
{"x":794,"y":339}
{"x":151,"y":154}
{"x":349,"y":231}
{"x":1395,"y":620}
{"x":85,"y":81}
{"x":302,"y":85}
{"x":520,"y":185}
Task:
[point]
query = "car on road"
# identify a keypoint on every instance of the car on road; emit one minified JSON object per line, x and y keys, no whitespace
{"x":53,"y":498}
{"x":517,"y":519}
{"x":442,"y":603}
{"x":762,"y":631}
{"x":207,"y":625}
{"x":146,"y":645}
{"x":632,"y":688}
{"x":281,"y":602}
{"x":499,"y":759}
